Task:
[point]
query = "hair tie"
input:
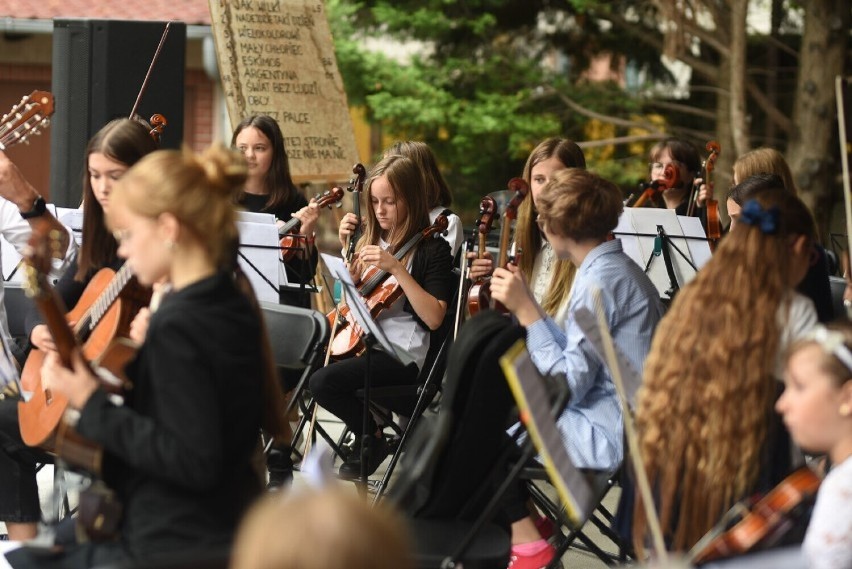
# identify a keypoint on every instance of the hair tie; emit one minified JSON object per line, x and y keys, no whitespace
{"x":765,"y":219}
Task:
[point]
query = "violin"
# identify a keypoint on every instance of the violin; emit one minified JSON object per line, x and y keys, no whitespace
{"x":650,"y":190}
{"x":356,"y":186}
{"x":380,"y":291}
{"x":765,"y":523}
{"x":520,"y":188}
{"x":475,"y":297}
{"x":290,"y":240}
{"x":714,"y":225}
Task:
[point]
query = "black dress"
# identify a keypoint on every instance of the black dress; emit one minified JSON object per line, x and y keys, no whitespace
{"x":300,"y":270}
{"x":178,"y":452}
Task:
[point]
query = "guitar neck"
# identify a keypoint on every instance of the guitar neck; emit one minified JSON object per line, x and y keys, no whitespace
{"x":50,"y":305}
{"x":96,"y":311}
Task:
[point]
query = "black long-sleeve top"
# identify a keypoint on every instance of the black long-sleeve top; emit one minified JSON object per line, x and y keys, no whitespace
{"x":179,"y":450}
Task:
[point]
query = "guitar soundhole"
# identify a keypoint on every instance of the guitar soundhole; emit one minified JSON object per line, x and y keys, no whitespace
{"x":48,"y":396}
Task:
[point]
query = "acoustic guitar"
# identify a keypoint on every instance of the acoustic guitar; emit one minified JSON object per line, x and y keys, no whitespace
{"x":45,"y":419}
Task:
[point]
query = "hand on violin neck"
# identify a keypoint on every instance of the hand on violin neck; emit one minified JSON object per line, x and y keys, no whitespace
{"x":347,"y":227}
{"x":308,"y":216}
{"x":509,"y":287}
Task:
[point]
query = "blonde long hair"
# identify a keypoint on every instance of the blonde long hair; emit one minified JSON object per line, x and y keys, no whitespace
{"x":706,"y":402}
{"x":765,"y":161}
{"x":527,"y":234}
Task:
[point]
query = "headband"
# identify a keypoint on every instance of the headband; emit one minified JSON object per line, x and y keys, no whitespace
{"x":833,"y":342}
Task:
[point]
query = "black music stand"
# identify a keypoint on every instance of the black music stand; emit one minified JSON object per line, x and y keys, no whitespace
{"x":373,"y":337}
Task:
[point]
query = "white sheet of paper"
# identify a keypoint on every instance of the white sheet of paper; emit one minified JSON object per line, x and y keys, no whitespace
{"x":259,"y":244}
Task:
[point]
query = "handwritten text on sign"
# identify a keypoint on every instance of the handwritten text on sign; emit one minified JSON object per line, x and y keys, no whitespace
{"x":277,"y":58}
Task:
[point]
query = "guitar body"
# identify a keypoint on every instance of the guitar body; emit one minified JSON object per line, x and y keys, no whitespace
{"x":41,"y":418}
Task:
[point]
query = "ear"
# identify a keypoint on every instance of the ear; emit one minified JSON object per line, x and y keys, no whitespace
{"x":801,"y":245}
{"x":168,"y":227}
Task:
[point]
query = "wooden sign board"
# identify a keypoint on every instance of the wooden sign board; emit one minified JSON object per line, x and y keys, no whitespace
{"x":276,"y":57}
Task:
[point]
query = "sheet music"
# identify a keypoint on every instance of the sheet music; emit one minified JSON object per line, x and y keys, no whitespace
{"x":358,"y":308}
{"x":640,"y":248}
{"x":528,"y":387}
{"x":260,"y":256}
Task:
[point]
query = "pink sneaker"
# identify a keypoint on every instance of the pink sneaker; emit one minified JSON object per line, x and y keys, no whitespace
{"x":538,"y":560}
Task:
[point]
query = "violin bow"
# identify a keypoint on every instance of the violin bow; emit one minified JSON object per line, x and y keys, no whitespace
{"x":150,"y":69}
{"x":844,"y":160}
{"x":630,"y":431}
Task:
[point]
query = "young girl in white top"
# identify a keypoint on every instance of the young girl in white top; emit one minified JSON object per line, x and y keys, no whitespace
{"x":817,"y":409}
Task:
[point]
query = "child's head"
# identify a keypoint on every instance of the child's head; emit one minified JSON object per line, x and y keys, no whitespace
{"x":548,"y":157}
{"x":774,"y":230}
{"x":764,"y":161}
{"x":327,"y":529}
{"x":817,"y":399}
{"x":397,"y":206}
{"x":173,"y":199}
{"x":681,"y":154}
{"x":579,"y":205}
{"x":270,"y":163}
{"x":437,"y":191}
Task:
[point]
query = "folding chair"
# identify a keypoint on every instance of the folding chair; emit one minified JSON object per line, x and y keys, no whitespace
{"x":601,"y":517}
{"x":298,"y":337}
{"x":422,"y":393}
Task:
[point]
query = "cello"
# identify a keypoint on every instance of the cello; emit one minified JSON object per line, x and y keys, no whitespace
{"x":476,"y":296}
{"x":380,"y":291}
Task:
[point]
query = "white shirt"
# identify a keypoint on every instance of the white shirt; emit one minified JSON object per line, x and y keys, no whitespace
{"x":455,"y":231}
{"x":17,"y":231}
{"x":828,"y":541}
{"x":799,"y":320}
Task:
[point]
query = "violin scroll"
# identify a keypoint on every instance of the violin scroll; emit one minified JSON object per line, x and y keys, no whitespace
{"x":158,"y":124}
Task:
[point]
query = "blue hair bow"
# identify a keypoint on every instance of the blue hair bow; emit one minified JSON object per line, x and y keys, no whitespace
{"x":765,"y":219}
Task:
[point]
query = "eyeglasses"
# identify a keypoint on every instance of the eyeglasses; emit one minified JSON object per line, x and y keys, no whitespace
{"x":660,"y":165}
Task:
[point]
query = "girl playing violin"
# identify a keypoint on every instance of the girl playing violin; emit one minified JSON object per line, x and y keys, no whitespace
{"x":817,"y":410}
{"x":549,"y":276}
{"x":269,"y":188}
{"x":179,"y":451}
{"x":109,"y":154}
{"x":398,"y":209}
{"x":707,"y":433}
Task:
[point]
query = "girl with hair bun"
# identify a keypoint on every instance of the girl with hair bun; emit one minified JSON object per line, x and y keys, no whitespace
{"x":707,"y":432}
{"x":179,"y":451}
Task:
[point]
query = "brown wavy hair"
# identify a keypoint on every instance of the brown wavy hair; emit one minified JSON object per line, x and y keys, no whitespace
{"x":706,"y":402}
{"x":527,"y":234}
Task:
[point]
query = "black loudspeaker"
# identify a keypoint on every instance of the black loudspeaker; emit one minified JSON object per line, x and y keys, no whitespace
{"x":98,"y":69}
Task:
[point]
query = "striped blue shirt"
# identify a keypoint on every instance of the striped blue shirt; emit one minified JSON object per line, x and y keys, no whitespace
{"x":591,"y":425}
